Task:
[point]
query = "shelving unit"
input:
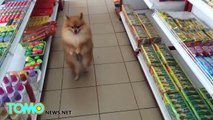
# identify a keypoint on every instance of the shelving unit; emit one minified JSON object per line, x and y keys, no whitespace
{"x":191,"y":63}
{"x":167,"y":5}
{"x":203,"y":13}
{"x":12,"y":50}
{"x":149,"y":77}
{"x":16,"y":52}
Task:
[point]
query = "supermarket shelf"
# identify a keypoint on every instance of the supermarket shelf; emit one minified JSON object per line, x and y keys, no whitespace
{"x":149,"y":77}
{"x":196,"y":70}
{"x":204,"y":7}
{"x":10,"y":56}
{"x":168,"y":5}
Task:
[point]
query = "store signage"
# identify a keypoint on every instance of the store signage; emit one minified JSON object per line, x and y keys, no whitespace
{"x":25,"y":108}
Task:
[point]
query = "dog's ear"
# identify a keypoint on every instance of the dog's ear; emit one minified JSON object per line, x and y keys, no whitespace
{"x":81,"y":15}
{"x":66,"y":17}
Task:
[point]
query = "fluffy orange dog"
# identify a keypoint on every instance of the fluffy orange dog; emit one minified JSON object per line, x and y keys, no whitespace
{"x":77,"y":43}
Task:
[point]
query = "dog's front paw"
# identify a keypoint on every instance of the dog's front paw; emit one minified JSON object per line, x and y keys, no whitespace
{"x":77,"y":50}
{"x":71,"y":53}
{"x":76,"y":77}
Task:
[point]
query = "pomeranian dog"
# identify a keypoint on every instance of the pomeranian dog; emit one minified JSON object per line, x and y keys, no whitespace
{"x":77,"y":43}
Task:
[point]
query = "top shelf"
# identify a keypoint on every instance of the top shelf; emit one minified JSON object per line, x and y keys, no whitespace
{"x":204,"y":7}
{"x":192,"y":64}
{"x":168,"y":5}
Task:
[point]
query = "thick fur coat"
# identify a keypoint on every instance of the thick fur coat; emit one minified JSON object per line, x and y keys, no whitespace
{"x":77,"y":43}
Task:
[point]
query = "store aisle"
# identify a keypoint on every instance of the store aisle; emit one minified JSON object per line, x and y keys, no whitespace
{"x":114,"y":88}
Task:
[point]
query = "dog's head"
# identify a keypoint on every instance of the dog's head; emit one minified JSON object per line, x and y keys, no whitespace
{"x":74,"y":23}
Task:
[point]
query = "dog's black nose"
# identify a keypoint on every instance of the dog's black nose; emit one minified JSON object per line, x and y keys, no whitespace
{"x":75,"y":31}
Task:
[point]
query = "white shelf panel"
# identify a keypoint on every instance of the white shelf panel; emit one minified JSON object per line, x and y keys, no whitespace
{"x":202,"y":78}
{"x":149,"y":77}
{"x":10,"y":56}
{"x":167,"y":5}
{"x":204,"y":7}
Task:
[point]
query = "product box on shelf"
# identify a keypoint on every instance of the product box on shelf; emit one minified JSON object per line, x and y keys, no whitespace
{"x":197,"y":104}
{"x":132,"y":19}
{"x":150,"y":55}
{"x":178,"y":107}
{"x":173,"y":67}
{"x":140,"y":35}
{"x":163,"y":80}
{"x":149,"y":28}
{"x":140,"y":26}
{"x":43,"y":8}
{"x":143,"y":18}
{"x":206,"y":64}
{"x":152,"y":33}
{"x":37,"y":20}
{"x":164,"y":54}
{"x":188,"y":29}
{"x":206,"y":97}
{"x":180,"y":78}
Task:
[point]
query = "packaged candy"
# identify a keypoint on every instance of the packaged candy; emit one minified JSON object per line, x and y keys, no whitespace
{"x":178,"y":107}
{"x":39,"y":32}
{"x":198,"y":105}
{"x":35,"y":48}
{"x":127,"y":9}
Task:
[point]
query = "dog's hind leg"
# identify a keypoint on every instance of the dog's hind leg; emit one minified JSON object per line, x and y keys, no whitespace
{"x":87,"y":60}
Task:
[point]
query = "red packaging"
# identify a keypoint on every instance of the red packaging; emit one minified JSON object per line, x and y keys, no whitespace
{"x":207,"y":51}
{"x":8,"y":18}
{"x":193,"y":51}
{"x":199,"y":50}
{"x":9,"y":4}
{"x":23,"y":4}
{"x":17,"y":16}
{"x":42,"y":12}
{"x":15,"y":4}
{"x":3,"y":19}
{"x":28,"y":87}
{"x":19,"y":4}
{"x":44,"y":5}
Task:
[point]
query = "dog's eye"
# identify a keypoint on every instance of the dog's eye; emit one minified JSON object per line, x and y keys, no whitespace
{"x":78,"y":27}
{"x":72,"y":27}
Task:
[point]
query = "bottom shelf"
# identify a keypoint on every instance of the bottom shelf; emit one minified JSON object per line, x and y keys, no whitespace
{"x":149,"y":77}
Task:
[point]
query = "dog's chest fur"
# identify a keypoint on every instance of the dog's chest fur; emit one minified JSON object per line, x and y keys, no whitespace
{"x":74,"y":39}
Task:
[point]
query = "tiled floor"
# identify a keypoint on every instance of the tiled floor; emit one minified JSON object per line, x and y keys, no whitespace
{"x":115,"y":87}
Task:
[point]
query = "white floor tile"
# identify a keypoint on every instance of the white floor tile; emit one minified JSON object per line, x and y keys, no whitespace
{"x":81,"y":101}
{"x":111,"y":73}
{"x":116,"y":98}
